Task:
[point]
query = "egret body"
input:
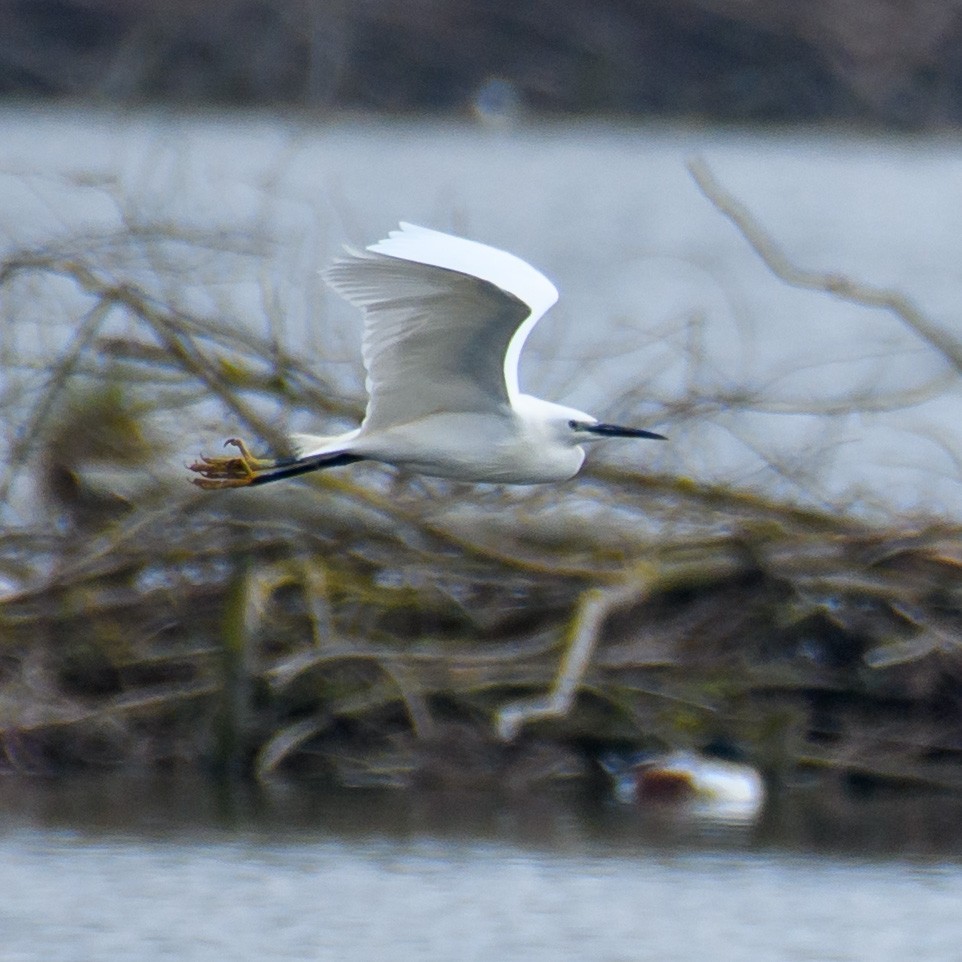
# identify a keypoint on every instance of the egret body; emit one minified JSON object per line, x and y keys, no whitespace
{"x":445,"y":320}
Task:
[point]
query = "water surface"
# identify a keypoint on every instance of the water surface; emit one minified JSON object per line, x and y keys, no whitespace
{"x":142,"y":871}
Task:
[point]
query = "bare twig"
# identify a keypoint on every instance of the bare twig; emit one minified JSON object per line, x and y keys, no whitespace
{"x":838,"y":285}
{"x":164,"y":324}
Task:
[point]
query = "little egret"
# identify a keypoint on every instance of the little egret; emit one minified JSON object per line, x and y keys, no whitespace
{"x":444,"y":323}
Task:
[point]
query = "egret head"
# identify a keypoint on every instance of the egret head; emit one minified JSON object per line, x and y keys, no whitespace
{"x":573,"y":427}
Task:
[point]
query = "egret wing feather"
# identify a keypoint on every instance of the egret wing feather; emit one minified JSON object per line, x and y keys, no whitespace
{"x":436,"y":337}
{"x":505,"y":271}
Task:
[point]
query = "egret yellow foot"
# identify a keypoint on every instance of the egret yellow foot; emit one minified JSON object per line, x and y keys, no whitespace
{"x":234,"y":471}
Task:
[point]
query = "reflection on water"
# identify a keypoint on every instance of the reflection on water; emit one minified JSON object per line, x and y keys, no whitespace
{"x":883,"y":826}
{"x":140,"y":870}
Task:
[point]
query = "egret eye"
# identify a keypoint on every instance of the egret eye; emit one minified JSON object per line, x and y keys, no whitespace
{"x":573,"y":425}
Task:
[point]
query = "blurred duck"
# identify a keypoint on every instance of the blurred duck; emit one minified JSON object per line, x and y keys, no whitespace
{"x":701,"y":784}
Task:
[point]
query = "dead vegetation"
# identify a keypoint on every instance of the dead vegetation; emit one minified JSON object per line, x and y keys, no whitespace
{"x":360,"y":626}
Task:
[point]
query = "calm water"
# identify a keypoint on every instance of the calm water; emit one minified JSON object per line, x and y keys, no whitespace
{"x":132,"y":871}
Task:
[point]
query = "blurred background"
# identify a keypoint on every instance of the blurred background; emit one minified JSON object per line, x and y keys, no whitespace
{"x":882,"y":63}
{"x":271,"y":722}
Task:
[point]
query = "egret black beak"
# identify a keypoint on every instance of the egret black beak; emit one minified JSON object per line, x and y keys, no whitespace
{"x":614,"y":431}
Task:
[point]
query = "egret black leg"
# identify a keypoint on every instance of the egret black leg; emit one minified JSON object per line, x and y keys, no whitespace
{"x":304,"y":466}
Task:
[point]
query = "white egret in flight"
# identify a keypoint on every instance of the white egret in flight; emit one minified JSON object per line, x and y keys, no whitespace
{"x":445,"y":320}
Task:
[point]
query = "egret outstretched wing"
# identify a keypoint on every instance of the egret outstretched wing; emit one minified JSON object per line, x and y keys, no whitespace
{"x":444,"y":322}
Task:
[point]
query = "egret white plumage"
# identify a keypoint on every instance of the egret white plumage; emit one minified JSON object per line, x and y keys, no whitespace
{"x":445,"y":320}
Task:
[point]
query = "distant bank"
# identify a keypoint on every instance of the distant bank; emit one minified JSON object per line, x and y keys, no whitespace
{"x":744,"y":61}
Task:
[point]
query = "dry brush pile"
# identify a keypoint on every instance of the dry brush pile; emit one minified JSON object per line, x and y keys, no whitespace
{"x":367,"y":627}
